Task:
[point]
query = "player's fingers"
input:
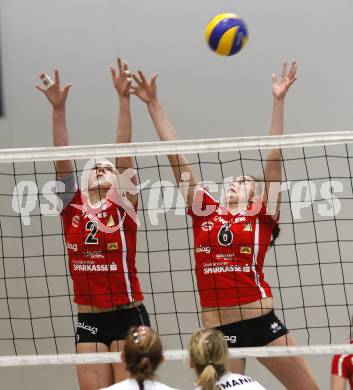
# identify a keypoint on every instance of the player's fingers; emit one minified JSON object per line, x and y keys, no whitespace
{"x":113,"y":72}
{"x":67,"y":88}
{"x":120,"y":65}
{"x":293,"y":80}
{"x":284,"y":70}
{"x":46,"y":80}
{"x":136,"y":78}
{"x":126,"y":66}
{"x":293,"y":70}
{"x":40,"y":89}
{"x":154,"y":78}
{"x":57,"y":77}
{"x":143,"y":78}
{"x":274,"y":78}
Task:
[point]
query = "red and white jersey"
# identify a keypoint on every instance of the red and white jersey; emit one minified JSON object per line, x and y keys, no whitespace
{"x":101,"y":246}
{"x":342,"y":365}
{"x":229,"y":252}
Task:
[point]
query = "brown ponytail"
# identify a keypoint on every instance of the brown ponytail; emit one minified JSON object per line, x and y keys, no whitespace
{"x":143,"y":353}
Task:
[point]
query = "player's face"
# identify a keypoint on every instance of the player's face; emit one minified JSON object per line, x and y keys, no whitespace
{"x":241,"y":190}
{"x":101,"y":176}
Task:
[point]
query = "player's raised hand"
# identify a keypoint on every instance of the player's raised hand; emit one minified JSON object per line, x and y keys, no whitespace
{"x":146,"y":90}
{"x":281,"y":87}
{"x":121,"y":78}
{"x":52,"y":89}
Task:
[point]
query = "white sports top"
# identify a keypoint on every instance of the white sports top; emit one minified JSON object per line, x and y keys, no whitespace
{"x":131,"y":384}
{"x":237,"y":381}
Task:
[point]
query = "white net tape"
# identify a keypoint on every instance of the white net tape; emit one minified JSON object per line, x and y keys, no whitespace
{"x":112,"y":357}
{"x":175,"y":147}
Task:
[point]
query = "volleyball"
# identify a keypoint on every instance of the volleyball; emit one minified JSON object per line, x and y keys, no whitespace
{"x":226,"y":34}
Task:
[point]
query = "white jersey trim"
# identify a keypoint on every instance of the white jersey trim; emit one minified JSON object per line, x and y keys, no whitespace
{"x":124,"y":259}
{"x":340,"y":364}
{"x":254,"y":263}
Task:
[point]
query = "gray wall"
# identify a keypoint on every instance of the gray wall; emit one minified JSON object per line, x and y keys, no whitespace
{"x":205,"y":95}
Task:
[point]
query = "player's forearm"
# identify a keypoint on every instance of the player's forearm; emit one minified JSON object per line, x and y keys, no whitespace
{"x":124,"y":129}
{"x":277,"y":125}
{"x":277,"y":117}
{"x":60,"y":131}
{"x":162,"y":124}
{"x":166,"y":132}
{"x":61,"y":138}
{"x":273,"y":167}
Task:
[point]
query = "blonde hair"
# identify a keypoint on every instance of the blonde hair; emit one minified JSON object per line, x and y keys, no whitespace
{"x":209,"y":357}
{"x":143,"y":353}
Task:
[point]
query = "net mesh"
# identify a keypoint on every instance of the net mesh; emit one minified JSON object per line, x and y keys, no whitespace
{"x":309,"y":269}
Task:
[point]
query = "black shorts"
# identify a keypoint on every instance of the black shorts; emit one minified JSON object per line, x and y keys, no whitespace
{"x":255,"y":332}
{"x":109,"y":326}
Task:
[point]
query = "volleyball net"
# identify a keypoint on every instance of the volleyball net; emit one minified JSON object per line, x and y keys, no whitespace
{"x":310,"y":267}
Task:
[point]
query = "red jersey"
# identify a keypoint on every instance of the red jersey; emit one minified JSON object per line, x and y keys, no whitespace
{"x":101,"y":248}
{"x":342,"y":365}
{"x":229,"y":252}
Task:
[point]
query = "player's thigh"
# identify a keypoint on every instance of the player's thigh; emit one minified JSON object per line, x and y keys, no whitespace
{"x":93,"y":376}
{"x":338,"y":382}
{"x":119,"y":370}
{"x":237,"y":365}
{"x":293,"y":372}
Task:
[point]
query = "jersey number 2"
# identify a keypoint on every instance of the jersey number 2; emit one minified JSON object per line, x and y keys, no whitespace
{"x":91,"y":238}
{"x":225,"y":236}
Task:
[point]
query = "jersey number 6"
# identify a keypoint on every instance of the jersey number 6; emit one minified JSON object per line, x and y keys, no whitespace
{"x":225,"y":236}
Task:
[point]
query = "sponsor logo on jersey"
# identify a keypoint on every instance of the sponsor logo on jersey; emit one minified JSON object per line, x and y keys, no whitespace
{"x":245,"y":249}
{"x":225,"y":256}
{"x":217,"y":218}
{"x":112,"y":246}
{"x":113,"y":267}
{"x":111,"y":222}
{"x":103,"y":214}
{"x":91,"y":267}
{"x":231,"y":339}
{"x":93,"y":254}
{"x":225,"y":268}
{"x":275,"y":327}
{"x":71,"y":246}
{"x":75,"y":221}
{"x":203,"y":249}
{"x":91,"y":329}
{"x":247,"y":227}
{"x":207,"y":226}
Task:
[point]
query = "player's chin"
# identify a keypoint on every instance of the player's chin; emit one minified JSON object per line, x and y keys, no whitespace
{"x":100,"y":186}
{"x":232,"y":198}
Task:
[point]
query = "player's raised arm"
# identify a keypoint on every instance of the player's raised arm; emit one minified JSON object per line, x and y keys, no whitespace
{"x":273,"y":166}
{"x":146,"y":90}
{"x":122,"y":83}
{"x":57,"y":96}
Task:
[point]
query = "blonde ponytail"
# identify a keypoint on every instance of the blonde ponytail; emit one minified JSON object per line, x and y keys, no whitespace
{"x":209,"y":357}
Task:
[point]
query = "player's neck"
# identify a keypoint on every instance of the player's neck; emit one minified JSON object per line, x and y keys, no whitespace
{"x":235,"y":207}
{"x":97,"y":196}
